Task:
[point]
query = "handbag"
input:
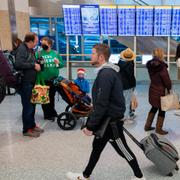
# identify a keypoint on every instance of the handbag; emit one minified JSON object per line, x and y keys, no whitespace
{"x":134,"y":102}
{"x":170,"y":101}
{"x":40,"y":92}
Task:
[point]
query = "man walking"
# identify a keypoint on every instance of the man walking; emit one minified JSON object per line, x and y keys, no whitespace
{"x":108,"y":102}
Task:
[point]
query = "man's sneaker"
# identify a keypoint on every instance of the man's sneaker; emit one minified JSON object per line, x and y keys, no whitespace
{"x":133,"y":116}
{"x":31,"y":133}
{"x":76,"y":176}
{"x":38,"y":129}
{"x":136,"y":178}
{"x":128,"y":121}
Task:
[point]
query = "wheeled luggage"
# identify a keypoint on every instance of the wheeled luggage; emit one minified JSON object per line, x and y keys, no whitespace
{"x":160,"y":151}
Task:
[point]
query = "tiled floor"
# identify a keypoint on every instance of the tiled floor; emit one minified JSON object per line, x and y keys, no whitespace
{"x":50,"y":156}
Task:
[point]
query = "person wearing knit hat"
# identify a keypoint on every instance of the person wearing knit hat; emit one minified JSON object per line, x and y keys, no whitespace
{"x":81,"y":81}
{"x":126,"y":65}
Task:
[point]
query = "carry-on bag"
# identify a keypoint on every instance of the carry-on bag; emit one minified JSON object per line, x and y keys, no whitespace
{"x":160,"y":151}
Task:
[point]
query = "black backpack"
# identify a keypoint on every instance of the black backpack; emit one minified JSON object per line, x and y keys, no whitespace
{"x":2,"y":88}
{"x":127,"y":74}
{"x":8,"y":71}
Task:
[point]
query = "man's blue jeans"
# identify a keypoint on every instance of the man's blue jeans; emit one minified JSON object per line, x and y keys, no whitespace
{"x":28,"y":110}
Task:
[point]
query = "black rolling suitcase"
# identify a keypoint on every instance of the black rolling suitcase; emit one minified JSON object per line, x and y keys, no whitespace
{"x":160,"y":151}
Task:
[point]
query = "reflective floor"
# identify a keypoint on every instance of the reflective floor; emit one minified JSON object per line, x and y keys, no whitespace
{"x":55,"y":152}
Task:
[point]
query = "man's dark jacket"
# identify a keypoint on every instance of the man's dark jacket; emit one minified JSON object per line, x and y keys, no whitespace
{"x":25,"y":61}
{"x":107,"y":95}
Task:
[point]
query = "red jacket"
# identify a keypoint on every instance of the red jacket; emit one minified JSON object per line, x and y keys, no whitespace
{"x":160,"y":81}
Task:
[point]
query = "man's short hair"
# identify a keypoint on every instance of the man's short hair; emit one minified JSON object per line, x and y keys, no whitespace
{"x":30,"y":37}
{"x":103,"y":49}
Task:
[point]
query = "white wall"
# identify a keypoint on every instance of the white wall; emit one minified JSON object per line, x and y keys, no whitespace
{"x":22,"y":5}
{"x":3,"y":5}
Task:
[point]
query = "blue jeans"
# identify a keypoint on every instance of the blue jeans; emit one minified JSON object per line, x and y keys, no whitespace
{"x":127,"y":95}
{"x":28,"y":110}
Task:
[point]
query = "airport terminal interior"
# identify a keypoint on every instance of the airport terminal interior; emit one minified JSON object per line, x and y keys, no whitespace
{"x":58,"y":151}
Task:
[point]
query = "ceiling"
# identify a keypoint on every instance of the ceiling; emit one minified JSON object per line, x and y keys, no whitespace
{"x":53,"y":7}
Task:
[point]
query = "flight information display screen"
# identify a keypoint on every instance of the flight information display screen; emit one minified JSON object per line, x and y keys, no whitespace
{"x":90,"y":19}
{"x":144,"y":21}
{"x":72,"y":19}
{"x":108,"y":20}
{"x":162,"y":20}
{"x":175,"y":27}
{"x":126,"y":20}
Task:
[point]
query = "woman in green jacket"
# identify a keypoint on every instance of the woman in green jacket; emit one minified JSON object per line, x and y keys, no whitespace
{"x":53,"y":61}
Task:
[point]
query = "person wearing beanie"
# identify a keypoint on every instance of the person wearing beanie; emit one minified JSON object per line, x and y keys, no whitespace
{"x":81,"y":81}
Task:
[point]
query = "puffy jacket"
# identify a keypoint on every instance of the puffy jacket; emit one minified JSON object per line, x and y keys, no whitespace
{"x":160,"y":81}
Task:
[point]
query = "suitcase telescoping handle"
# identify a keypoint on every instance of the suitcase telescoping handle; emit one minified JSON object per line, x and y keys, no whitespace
{"x":133,"y":138}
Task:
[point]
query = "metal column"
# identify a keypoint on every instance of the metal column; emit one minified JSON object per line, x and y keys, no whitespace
{"x":135,"y":51}
{"x":82,"y":46}
{"x":12,"y":18}
{"x":168,"y":52}
{"x":67,"y":57}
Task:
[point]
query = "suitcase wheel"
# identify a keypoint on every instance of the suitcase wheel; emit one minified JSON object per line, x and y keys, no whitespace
{"x":177,"y":168}
{"x":170,"y":174}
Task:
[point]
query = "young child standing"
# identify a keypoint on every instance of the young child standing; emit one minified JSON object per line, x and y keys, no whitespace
{"x":81,"y":81}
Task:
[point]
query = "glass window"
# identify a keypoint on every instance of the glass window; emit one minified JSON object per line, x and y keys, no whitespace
{"x":89,"y":42}
{"x":34,"y":28}
{"x":39,"y":20}
{"x":43,"y":29}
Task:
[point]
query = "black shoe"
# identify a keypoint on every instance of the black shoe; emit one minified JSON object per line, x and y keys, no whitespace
{"x":50,"y":119}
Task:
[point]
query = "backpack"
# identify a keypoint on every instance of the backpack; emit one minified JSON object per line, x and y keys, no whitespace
{"x":2,"y":88}
{"x":8,"y":71}
{"x":127,"y":74}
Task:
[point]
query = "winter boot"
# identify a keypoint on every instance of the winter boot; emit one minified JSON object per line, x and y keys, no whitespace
{"x":159,"y":125}
{"x":149,"y":121}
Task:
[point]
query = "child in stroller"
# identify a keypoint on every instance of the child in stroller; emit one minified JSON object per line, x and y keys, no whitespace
{"x":79,"y":103}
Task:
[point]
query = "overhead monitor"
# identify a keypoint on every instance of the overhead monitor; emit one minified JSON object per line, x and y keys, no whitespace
{"x":175,"y":27}
{"x":146,"y":58}
{"x":90,"y":19}
{"x":114,"y":58}
{"x":108,"y":20}
{"x":144,"y":20}
{"x":72,"y":20}
{"x":126,"y":20}
{"x":162,"y":20}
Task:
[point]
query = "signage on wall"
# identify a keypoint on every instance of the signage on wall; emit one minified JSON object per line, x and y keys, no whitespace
{"x":126,"y":20}
{"x":108,"y":20}
{"x":72,"y":19}
{"x":121,"y":20}
{"x":175,"y":27}
{"x":90,"y":19}
{"x":162,"y":20}
{"x":144,"y":20}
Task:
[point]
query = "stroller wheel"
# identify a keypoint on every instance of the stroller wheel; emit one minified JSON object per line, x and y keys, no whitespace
{"x":68,"y":108}
{"x":66,"y":121}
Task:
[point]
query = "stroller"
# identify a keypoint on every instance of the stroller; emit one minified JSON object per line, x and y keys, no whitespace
{"x":79,"y":104}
